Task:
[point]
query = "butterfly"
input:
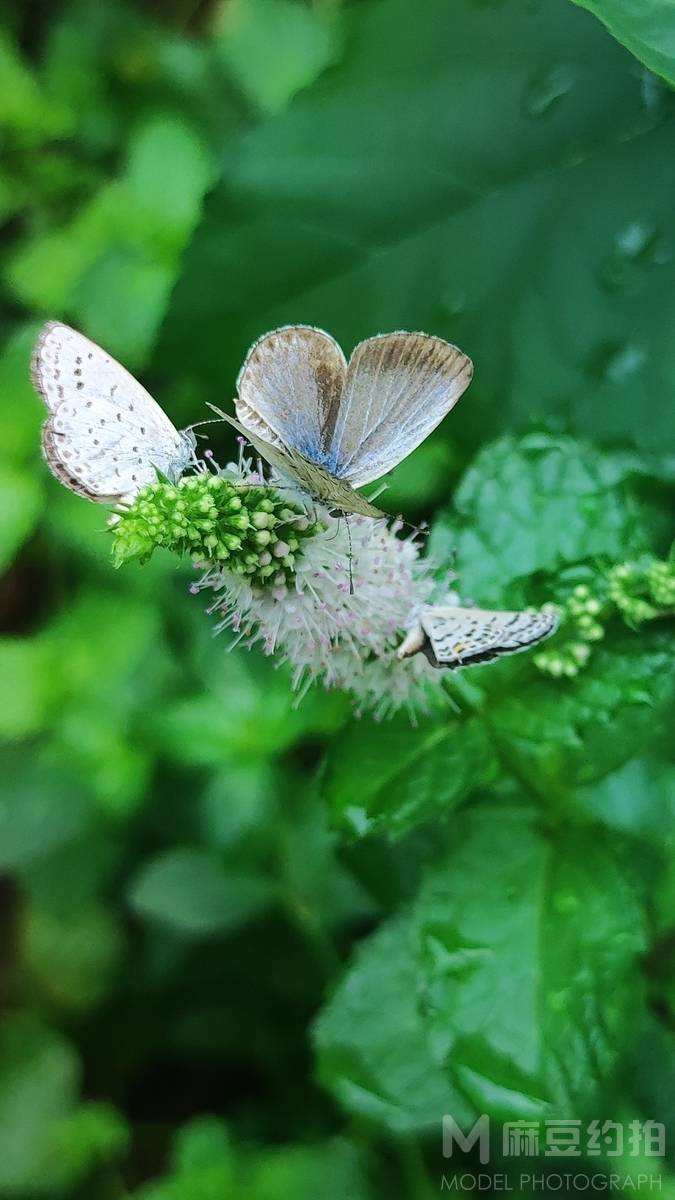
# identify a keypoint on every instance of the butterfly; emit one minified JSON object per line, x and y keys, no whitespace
{"x":333,"y":426}
{"x":464,"y":637}
{"x":105,"y":436}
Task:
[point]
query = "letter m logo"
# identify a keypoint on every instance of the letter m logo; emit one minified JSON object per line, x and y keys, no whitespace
{"x":480,"y":1133}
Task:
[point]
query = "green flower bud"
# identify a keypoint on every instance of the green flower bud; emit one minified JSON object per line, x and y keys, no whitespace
{"x":214,"y":519}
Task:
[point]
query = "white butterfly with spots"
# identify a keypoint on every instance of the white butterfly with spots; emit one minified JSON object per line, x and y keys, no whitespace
{"x":454,"y":637}
{"x":105,"y":437}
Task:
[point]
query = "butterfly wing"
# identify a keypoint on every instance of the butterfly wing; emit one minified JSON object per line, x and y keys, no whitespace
{"x":289,"y":388}
{"x":105,"y":436}
{"x":308,"y":475}
{"x":399,"y":387}
{"x":350,"y":424}
{"x":463,"y":637}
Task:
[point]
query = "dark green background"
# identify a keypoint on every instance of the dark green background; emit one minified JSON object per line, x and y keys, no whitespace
{"x":256,"y":950}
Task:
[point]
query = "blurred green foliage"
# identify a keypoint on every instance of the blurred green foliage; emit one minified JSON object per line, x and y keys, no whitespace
{"x":254,"y":949}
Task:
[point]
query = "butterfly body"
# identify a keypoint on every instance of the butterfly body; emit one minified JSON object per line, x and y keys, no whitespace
{"x":453,"y":637}
{"x":333,"y":426}
{"x":313,"y":477}
{"x":105,"y":437}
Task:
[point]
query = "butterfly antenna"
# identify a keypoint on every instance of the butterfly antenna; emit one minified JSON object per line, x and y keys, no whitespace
{"x":210,"y":421}
{"x":350,"y":558}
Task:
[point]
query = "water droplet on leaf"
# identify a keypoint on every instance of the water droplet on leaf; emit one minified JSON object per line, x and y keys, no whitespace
{"x":453,"y":303}
{"x":546,"y":89}
{"x":625,"y":362}
{"x":358,"y":819}
{"x":636,"y":246}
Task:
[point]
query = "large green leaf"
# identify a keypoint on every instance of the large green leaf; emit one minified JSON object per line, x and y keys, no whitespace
{"x":536,"y":504}
{"x":513,"y":979}
{"x":373,"y":1043}
{"x":530,"y":966}
{"x":646,"y":27}
{"x":486,"y":188}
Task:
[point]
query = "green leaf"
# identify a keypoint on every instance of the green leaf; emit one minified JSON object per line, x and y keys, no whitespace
{"x":92,"y":1135}
{"x":391,"y":777}
{"x":21,"y":412}
{"x":72,"y":960}
{"x":373,"y":1045}
{"x":44,"y":270}
{"x":556,"y":736}
{"x":114,"y":264}
{"x":651,"y":1064}
{"x":637,"y":798}
{"x":202,"y":1142}
{"x":120,"y":301}
{"x":195,"y":894}
{"x":69,"y":877}
{"x":21,"y":500}
{"x":168,"y":172}
{"x":97,"y":738}
{"x":646,"y":27}
{"x":274,"y":48}
{"x":42,"y":808}
{"x":38,"y":1076}
{"x":319,"y":889}
{"x":26,"y":670}
{"x":203,"y":1164}
{"x":238,"y":801}
{"x":121,"y":670}
{"x":105,"y":685}
{"x":207,"y":1184}
{"x":515,"y":985}
{"x":245,"y":711}
{"x":421,"y":480}
{"x":536,"y":504}
{"x":535,"y":245}
{"x":23,"y":110}
{"x":330,"y":1169}
{"x":528,"y":969}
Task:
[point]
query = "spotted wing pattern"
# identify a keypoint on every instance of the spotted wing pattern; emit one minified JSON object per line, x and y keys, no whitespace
{"x":456,"y":637}
{"x":105,"y":436}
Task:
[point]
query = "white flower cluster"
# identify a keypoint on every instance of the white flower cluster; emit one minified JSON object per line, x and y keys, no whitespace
{"x":340,"y":615}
